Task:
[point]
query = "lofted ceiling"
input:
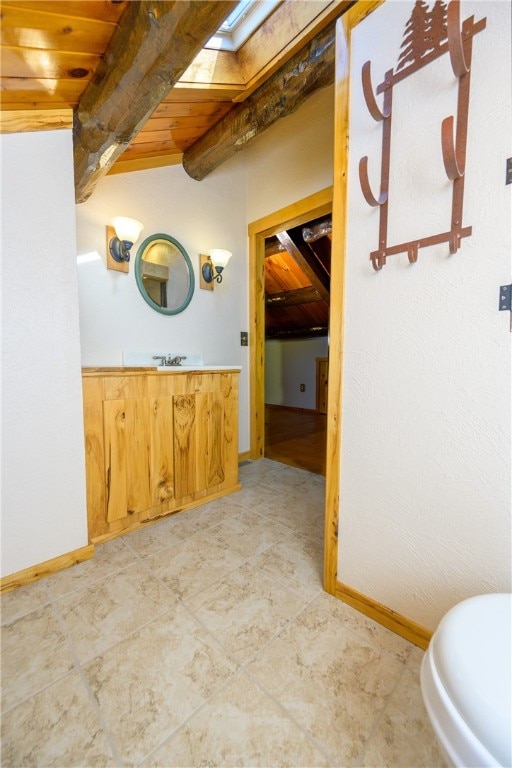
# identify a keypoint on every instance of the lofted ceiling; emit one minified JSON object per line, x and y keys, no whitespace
{"x":145,"y":83}
{"x":297,"y":281}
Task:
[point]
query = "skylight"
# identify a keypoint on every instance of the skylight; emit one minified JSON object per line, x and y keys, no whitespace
{"x":236,"y":16}
{"x":243,"y":20}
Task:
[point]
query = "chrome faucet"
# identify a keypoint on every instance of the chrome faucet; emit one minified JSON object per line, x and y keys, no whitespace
{"x":169,"y":360}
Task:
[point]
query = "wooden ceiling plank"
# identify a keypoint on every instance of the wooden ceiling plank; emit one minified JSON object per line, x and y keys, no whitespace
{"x":211,"y":66}
{"x":19,"y":121}
{"x":28,"y":63}
{"x":28,"y":28}
{"x":170,"y":123}
{"x":304,"y":264}
{"x":27,"y":93}
{"x":148,"y":52}
{"x":143,"y":163}
{"x":161,"y":137}
{"x":310,"y":69}
{"x":282,"y":273}
{"x":190,"y":93}
{"x":215,"y":109}
{"x":153,"y":150}
{"x":101,"y":10}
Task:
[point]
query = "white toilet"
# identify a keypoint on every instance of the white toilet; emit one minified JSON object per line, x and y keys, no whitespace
{"x":466,"y":682}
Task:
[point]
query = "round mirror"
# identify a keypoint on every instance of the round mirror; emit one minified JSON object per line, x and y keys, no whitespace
{"x":164,"y":274}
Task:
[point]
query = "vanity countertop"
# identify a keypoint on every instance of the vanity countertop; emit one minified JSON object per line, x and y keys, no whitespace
{"x":137,"y":371}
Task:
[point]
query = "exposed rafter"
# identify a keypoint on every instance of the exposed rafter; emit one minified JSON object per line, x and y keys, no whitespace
{"x":305,"y":332}
{"x":273,"y":246}
{"x":292,"y":298}
{"x":317,"y":279}
{"x":149,"y":51}
{"x":309,"y":70}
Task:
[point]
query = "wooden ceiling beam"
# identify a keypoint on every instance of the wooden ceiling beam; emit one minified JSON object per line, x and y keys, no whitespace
{"x":273,"y":246}
{"x":298,"y":256}
{"x":307,"y":71}
{"x":303,"y":332}
{"x":292,"y":298}
{"x":317,"y":254}
{"x":151,"y":48}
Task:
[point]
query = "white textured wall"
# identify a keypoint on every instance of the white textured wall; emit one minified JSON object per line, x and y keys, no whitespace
{"x":200,"y":215}
{"x":43,"y":476}
{"x":288,"y":364}
{"x":425,"y":488}
{"x":293,"y":158}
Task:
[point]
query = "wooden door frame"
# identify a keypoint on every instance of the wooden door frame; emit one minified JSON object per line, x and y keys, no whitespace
{"x":293,"y":215}
{"x":318,"y":361}
{"x":344,"y":26}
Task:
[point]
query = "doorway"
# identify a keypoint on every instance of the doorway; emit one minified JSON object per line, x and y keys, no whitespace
{"x":297,"y":214}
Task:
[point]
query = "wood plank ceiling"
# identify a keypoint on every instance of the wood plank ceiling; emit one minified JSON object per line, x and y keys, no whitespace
{"x":51,"y":50}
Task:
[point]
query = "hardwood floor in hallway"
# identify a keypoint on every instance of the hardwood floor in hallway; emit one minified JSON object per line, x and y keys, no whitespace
{"x":296,"y":437}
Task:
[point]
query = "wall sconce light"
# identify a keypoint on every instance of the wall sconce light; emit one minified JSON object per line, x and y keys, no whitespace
{"x":120,"y":238}
{"x":212,"y":267}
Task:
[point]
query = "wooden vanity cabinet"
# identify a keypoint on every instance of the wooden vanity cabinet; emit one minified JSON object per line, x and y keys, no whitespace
{"x":156,"y":443}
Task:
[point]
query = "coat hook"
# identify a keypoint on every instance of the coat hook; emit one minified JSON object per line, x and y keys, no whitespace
{"x":454,"y":165}
{"x":412,"y":253}
{"x":365,"y":185}
{"x":373,"y":108}
{"x":455,"y":46}
{"x":378,"y":260}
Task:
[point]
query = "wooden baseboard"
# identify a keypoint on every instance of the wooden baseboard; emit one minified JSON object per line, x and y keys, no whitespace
{"x":35,"y":572}
{"x":245,"y":456}
{"x":380,"y":613}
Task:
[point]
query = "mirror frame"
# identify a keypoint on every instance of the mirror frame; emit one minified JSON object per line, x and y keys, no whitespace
{"x":138,"y":274}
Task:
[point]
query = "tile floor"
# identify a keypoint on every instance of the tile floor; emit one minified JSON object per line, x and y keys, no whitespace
{"x":206,"y":640}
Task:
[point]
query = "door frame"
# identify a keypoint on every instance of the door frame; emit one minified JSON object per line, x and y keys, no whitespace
{"x":292,"y":215}
{"x":319,"y":361}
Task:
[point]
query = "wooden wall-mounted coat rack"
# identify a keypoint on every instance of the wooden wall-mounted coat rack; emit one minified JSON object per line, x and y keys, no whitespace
{"x":428,"y":35}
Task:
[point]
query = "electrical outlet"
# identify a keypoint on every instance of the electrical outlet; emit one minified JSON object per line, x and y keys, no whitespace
{"x":302,"y":387}
{"x":244,"y":338}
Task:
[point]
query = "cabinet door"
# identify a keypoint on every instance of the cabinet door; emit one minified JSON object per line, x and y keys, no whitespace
{"x":198,"y":433}
{"x":210,"y":467}
{"x":162,"y":450}
{"x":127,"y":472}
